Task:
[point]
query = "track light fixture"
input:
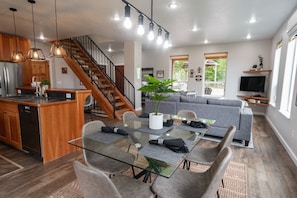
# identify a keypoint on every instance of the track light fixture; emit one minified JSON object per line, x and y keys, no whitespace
{"x":34,"y":53}
{"x":127,"y":21}
{"x":16,"y":56}
{"x":141,"y":29}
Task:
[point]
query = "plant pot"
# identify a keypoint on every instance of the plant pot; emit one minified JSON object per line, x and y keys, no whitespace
{"x":156,"y":121}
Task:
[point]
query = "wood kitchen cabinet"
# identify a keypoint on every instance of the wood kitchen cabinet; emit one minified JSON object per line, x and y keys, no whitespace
{"x":8,"y":45}
{"x":39,"y":69}
{"x":10,"y":132}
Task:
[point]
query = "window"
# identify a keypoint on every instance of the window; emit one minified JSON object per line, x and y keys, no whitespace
{"x":274,"y":82}
{"x":289,"y":78}
{"x":215,"y":74}
{"x":180,"y":72}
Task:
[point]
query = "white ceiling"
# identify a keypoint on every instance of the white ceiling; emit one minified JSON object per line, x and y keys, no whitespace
{"x":222,"y":21}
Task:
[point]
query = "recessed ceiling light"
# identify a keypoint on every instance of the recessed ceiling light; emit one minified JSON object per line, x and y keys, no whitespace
{"x":253,"y":20}
{"x":116,"y":17}
{"x":172,"y":5}
{"x":195,"y":29}
{"x":248,"y":36}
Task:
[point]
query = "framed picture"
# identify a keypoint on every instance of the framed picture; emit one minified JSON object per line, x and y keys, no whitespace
{"x":64,"y":70}
{"x":160,"y":73}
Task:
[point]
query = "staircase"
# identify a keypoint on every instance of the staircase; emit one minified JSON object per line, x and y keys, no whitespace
{"x":97,"y":73}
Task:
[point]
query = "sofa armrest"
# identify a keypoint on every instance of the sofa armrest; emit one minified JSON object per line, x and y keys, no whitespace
{"x":246,"y":122}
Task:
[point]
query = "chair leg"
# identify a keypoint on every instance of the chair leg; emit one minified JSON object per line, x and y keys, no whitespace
{"x":218,"y":194}
{"x":223,"y":183}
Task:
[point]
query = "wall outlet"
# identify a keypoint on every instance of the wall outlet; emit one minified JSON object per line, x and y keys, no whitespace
{"x":68,"y":95}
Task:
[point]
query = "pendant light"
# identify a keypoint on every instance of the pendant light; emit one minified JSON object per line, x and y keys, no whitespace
{"x":34,"y":53}
{"x":57,"y":49}
{"x":16,"y":56}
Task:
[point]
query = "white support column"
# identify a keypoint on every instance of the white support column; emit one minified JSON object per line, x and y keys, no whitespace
{"x":133,"y":60}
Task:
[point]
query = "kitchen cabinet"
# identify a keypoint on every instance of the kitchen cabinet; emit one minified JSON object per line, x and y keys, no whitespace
{"x":8,"y":45}
{"x":39,"y":69}
{"x":10,"y":132}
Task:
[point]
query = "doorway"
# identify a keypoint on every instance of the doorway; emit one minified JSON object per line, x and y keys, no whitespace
{"x":215,"y":74}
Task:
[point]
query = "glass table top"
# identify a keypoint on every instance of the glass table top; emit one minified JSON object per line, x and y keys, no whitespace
{"x":157,"y":159}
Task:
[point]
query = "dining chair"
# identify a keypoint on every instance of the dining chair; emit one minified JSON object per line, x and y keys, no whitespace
{"x":97,"y":161}
{"x":188,"y":114}
{"x":88,"y":105}
{"x":94,"y":183}
{"x":184,"y":183}
{"x":207,"y":155}
{"x":128,"y":116}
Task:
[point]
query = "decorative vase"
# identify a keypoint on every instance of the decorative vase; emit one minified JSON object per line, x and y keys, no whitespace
{"x":156,"y":121}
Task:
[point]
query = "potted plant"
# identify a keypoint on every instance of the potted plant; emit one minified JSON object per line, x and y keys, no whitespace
{"x":45,"y":83}
{"x":157,"y":90}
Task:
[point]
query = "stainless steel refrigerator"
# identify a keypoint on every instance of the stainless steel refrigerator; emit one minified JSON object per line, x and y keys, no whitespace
{"x":10,"y":78}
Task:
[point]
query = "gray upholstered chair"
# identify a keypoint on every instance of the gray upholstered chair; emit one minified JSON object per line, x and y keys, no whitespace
{"x":88,"y":105}
{"x":94,"y":183}
{"x":207,"y":155}
{"x":128,"y":116}
{"x":184,"y":183}
{"x":188,"y":114}
{"x":97,"y":161}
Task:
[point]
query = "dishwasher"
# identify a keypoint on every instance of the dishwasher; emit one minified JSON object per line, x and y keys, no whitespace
{"x":30,"y":132}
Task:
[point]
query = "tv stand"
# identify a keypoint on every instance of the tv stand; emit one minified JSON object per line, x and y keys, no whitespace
{"x":256,"y":100}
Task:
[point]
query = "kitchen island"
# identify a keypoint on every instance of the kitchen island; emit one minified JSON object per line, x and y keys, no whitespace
{"x":60,"y":117}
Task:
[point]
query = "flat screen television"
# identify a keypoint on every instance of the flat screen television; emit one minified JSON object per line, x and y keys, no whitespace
{"x":252,"y":83}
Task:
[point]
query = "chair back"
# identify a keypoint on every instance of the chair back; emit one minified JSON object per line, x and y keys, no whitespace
{"x":94,"y":183}
{"x":92,"y":127}
{"x":188,"y":114}
{"x":89,"y":101}
{"x":216,"y":172}
{"x":88,"y":129}
{"x":227,"y":139}
{"x":128,"y":116}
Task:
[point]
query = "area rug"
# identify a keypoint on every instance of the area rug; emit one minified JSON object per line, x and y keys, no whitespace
{"x":8,"y":167}
{"x":235,"y":181}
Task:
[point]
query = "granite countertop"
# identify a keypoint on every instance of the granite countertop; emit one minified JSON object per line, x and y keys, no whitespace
{"x":35,"y":100}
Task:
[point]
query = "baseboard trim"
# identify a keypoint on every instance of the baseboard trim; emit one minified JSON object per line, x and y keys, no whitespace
{"x":282,"y":140}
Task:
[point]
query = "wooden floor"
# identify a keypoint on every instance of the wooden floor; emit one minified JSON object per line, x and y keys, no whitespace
{"x":271,"y":173}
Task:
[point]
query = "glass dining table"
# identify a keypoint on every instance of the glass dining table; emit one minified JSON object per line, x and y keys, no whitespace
{"x":150,"y":158}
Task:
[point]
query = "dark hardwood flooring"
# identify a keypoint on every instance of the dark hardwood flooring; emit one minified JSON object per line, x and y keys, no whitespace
{"x":271,"y":172}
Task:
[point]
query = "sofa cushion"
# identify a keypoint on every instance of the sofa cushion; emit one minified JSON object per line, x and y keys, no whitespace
{"x":173,"y":98}
{"x":165,"y":107}
{"x":197,"y":99}
{"x":225,"y":102}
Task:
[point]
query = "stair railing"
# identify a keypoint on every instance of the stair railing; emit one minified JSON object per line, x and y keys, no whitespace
{"x":104,"y":63}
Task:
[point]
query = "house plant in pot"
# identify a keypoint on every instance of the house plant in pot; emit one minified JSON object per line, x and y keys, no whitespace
{"x":156,"y":90}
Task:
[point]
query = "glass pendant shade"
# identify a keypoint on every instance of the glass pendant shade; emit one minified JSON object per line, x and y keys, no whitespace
{"x":17,"y":56}
{"x":57,"y":50}
{"x":35,"y":54}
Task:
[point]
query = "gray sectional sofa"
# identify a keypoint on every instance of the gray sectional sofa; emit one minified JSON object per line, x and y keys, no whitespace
{"x":226,"y":112}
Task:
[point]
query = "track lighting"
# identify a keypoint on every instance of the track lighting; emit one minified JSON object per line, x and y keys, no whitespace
{"x":141,"y":29}
{"x":127,"y":21}
{"x":159,"y":38}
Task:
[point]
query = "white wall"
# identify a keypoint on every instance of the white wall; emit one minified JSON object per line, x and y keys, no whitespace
{"x":285,"y":128}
